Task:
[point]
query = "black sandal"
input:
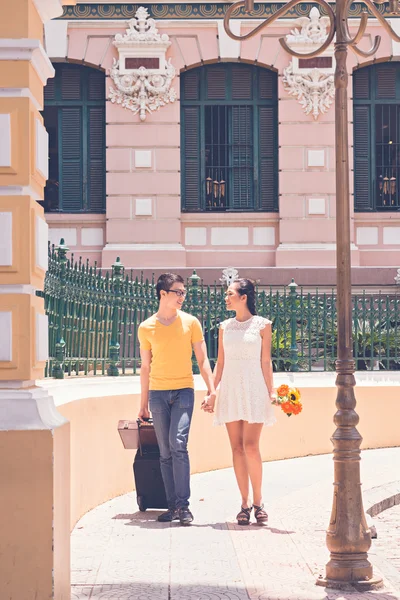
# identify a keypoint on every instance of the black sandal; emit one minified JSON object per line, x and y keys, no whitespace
{"x":260,"y":514}
{"x":243,"y":517}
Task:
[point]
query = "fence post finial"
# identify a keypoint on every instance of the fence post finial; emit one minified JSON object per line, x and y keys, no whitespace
{"x":229,"y":275}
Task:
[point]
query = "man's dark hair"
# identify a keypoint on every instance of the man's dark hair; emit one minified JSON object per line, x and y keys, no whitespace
{"x":166,"y":281}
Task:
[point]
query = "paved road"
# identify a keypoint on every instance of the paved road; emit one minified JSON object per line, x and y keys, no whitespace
{"x":121,"y":554}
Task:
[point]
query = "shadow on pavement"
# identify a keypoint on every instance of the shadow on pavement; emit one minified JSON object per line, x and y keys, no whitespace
{"x":148,"y":520}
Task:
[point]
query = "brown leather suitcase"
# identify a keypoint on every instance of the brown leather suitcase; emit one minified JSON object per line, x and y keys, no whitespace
{"x":147,"y":437}
{"x":129,"y":432}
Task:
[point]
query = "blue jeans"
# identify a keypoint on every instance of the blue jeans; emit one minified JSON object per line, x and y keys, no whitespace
{"x":172,"y":414}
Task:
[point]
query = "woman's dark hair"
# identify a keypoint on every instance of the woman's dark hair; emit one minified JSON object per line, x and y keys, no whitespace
{"x":246,"y":286}
{"x":166,"y":281}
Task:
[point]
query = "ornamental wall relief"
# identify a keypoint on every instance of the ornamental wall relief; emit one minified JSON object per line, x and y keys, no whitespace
{"x":142,"y":76}
{"x":310,"y":80}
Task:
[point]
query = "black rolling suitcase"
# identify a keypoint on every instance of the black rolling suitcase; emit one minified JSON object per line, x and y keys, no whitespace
{"x":150,"y":491}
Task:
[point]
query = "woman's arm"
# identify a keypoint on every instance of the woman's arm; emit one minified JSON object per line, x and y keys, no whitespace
{"x":266,"y":362}
{"x":219,"y":367}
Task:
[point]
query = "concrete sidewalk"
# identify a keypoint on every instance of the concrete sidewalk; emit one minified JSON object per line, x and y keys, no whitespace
{"x":119,"y":553}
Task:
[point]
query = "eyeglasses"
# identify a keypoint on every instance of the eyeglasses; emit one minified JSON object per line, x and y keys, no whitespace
{"x":179,"y":293}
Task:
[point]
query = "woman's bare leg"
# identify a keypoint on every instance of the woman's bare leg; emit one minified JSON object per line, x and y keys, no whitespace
{"x":235,"y":433}
{"x":251,"y":443}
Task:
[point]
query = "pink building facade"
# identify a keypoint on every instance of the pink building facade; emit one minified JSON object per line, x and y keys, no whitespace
{"x":236,"y":166}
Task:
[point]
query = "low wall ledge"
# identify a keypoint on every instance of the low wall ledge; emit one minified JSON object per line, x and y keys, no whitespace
{"x":78,"y":388}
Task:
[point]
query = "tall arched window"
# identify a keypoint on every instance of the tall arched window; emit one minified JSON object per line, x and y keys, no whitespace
{"x":74,"y":116}
{"x":229,"y":139}
{"x":376,"y":91}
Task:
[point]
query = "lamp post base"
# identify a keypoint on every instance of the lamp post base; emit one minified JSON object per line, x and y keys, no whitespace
{"x":349,"y":572}
{"x":362,"y":585}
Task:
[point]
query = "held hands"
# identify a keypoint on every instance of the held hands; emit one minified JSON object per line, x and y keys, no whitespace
{"x":143,"y":414}
{"x":209,"y":402}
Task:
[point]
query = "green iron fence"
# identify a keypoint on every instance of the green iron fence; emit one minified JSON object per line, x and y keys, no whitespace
{"x":94,"y":318}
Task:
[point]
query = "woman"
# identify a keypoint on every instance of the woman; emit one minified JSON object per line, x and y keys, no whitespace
{"x":244,"y":369}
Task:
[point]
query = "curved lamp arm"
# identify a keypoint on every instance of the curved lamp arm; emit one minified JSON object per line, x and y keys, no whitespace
{"x":381,"y":19}
{"x":279,"y":13}
{"x":353,"y":42}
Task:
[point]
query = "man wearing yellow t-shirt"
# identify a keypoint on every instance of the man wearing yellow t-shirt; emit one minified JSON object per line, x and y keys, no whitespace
{"x":167,"y":340}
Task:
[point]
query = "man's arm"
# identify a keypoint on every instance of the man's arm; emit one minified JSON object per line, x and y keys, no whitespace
{"x":200,"y":350}
{"x":145,"y":356}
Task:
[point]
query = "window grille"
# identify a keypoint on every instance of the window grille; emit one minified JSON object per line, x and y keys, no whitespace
{"x":377,"y":138}
{"x":229,"y":139}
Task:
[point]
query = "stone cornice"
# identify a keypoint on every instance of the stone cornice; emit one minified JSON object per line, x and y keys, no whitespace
{"x":194,"y":10}
{"x":49,"y":9}
{"x":29,"y":50}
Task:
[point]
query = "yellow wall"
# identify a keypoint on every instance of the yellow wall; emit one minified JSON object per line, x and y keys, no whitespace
{"x":33,"y":484}
{"x":101,"y":469}
{"x":34,"y":440}
{"x":21,"y":20}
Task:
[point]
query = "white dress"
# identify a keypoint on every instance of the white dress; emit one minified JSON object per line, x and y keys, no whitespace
{"x":243,"y":393}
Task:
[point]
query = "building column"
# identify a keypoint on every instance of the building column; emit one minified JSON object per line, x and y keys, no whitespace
{"x":34,"y":437}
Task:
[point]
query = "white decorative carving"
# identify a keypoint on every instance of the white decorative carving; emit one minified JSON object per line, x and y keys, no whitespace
{"x":313,"y":29}
{"x":315,"y":91}
{"x":313,"y":87}
{"x":141,"y":29}
{"x":142,"y":89}
{"x":397,"y":278}
{"x":229,"y":275}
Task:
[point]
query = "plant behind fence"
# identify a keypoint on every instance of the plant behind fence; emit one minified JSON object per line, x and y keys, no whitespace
{"x":94,"y":318}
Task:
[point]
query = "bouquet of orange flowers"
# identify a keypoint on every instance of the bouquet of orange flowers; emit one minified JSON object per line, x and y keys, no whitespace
{"x":288,"y":399}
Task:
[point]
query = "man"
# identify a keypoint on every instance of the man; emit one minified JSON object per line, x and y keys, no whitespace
{"x":167,"y":340}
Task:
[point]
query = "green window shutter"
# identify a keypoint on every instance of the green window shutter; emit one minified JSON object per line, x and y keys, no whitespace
{"x":96,"y":163}
{"x":242,"y":190}
{"x":77,"y":94}
{"x":242,"y":83}
{"x":71,"y":83}
{"x":191,"y":158}
{"x":362,"y":159}
{"x":267,"y":85}
{"x":386,"y":81}
{"x":191,"y":81}
{"x":267,"y":158}
{"x":70,"y":159}
{"x":216,"y":83}
{"x":96,"y":86}
{"x":361,"y":84}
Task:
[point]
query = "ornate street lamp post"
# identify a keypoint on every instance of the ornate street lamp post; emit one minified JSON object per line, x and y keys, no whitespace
{"x":348,"y":537}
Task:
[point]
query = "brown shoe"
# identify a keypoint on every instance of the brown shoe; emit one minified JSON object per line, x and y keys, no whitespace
{"x":260,"y":514}
{"x":243,"y":517}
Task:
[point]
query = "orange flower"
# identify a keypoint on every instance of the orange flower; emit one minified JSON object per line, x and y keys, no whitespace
{"x":297,"y":408}
{"x":287,"y":407}
{"x":283,"y":390}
